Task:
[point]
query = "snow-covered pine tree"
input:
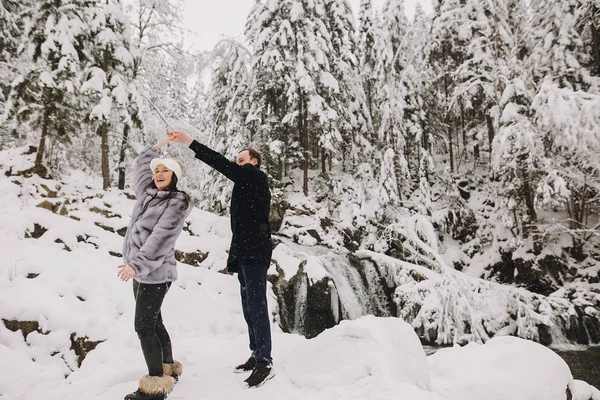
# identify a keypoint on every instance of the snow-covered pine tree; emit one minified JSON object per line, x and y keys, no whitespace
{"x":9,"y":40}
{"x":391,"y":101}
{"x":592,"y":24}
{"x":446,"y":53}
{"x":561,"y":51}
{"x":570,"y":122}
{"x":269,"y":34}
{"x":154,"y":41}
{"x":565,"y":112}
{"x":10,"y":37}
{"x":45,"y":95}
{"x":111,"y":95}
{"x":227,"y":109}
{"x":292,"y":79}
{"x":353,"y":122}
{"x":368,"y":56}
{"x":518,"y":158}
{"x":517,"y":153}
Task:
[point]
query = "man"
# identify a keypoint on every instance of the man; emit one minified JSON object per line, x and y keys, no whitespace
{"x":251,"y":247}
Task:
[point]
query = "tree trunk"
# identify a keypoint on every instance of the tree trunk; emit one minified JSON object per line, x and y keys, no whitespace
{"x":39,"y":157}
{"x":279,"y":168}
{"x":304,"y":144}
{"x":528,"y":195}
{"x":104,"y":163}
{"x":595,"y":40}
{"x":450,"y":148}
{"x":462,"y":126}
{"x":122,"y":157}
{"x":490,"y":126}
{"x":397,"y":171}
{"x":596,"y":47}
{"x":323,"y":162}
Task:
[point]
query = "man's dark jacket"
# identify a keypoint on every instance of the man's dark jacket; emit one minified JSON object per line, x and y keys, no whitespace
{"x":250,"y":207}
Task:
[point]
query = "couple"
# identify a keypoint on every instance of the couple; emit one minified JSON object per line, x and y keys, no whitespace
{"x":149,"y":256}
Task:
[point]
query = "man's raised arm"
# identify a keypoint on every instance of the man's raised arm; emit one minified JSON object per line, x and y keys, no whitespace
{"x":228,"y":168}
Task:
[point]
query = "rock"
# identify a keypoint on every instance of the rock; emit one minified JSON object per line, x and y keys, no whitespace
{"x":48,"y":205}
{"x":276,"y":214}
{"x":50,"y":193}
{"x":26,"y":327}
{"x":85,"y":239}
{"x":592,"y":326}
{"x":106,"y":213}
{"x":194,"y":258}
{"x":82,"y":346}
{"x":538,"y":276}
{"x":105,"y":227}
{"x":30,"y":150}
{"x":314,"y":234}
{"x":38,"y":231}
{"x":315,"y":314}
{"x":67,"y":248}
{"x":545,"y":336}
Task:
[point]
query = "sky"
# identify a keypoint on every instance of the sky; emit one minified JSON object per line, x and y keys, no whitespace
{"x":211,"y":20}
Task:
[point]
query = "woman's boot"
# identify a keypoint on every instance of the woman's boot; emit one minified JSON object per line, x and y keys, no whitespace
{"x":153,"y":388}
{"x":174,"y":369}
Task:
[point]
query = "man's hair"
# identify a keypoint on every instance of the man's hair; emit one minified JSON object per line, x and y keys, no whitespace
{"x":253,"y":154}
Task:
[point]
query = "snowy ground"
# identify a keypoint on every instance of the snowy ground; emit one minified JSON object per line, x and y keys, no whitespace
{"x":77,"y":292}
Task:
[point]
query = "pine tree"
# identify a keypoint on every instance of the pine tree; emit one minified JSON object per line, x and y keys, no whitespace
{"x":153,"y":47}
{"x":107,"y":74}
{"x":353,"y":122}
{"x":563,"y":53}
{"x":368,"y":56}
{"x":446,"y":53}
{"x":293,"y":80}
{"x":45,"y":96}
{"x":391,"y":102}
{"x":227,"y":109}
{"x":9,"y":39}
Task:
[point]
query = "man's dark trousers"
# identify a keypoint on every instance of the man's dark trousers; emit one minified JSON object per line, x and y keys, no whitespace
{"x":252,"y":275}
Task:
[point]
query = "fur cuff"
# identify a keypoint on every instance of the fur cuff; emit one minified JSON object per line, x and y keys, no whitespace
{"x":157,"y":385}
{"x":173,"y":369}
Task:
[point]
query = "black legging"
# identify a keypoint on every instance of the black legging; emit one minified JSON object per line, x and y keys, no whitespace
{"x":154,"y":338}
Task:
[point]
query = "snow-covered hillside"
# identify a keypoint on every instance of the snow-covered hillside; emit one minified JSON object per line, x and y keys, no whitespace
{"x":67,"y":329}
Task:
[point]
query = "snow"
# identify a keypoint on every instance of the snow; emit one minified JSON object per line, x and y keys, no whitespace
{"x":77,"y":292}
{"x":503,"y":368}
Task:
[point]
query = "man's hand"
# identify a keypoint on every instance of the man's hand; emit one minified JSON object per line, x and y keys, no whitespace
{"x":180,"y":137}
{"x":125,"y":272}
{"x":162,"y":141}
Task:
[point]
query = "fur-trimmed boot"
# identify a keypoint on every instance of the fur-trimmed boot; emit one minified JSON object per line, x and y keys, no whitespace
{"x":174,"y":369}
{"x":153,"y":388}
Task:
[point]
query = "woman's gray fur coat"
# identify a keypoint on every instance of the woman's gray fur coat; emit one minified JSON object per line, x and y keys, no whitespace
{"x":149,"y":245}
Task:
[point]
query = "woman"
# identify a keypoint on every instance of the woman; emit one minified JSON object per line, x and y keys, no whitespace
{"x":149,"y":255}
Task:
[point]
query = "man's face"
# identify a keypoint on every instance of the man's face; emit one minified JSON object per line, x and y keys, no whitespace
{"x":244,"y":158}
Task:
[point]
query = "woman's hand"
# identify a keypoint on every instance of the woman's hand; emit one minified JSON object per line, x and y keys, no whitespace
{"x":125,"y":272}
{"x":162,"y":141}
{"x":180,"y":137}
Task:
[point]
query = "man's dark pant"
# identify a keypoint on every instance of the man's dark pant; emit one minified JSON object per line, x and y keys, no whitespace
{"x":154,"y":338}
{"x":252,"y":275}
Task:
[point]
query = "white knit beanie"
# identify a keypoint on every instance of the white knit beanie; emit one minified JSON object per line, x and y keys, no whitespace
{"x":169,"y":163}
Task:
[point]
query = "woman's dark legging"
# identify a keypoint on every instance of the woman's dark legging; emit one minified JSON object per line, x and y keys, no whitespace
{"x":154,"y":338}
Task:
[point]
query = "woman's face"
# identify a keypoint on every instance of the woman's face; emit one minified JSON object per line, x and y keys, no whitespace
{"x":162,"y":177}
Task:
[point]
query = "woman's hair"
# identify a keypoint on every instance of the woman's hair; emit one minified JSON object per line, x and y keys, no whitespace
{"x":172,"y":189}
